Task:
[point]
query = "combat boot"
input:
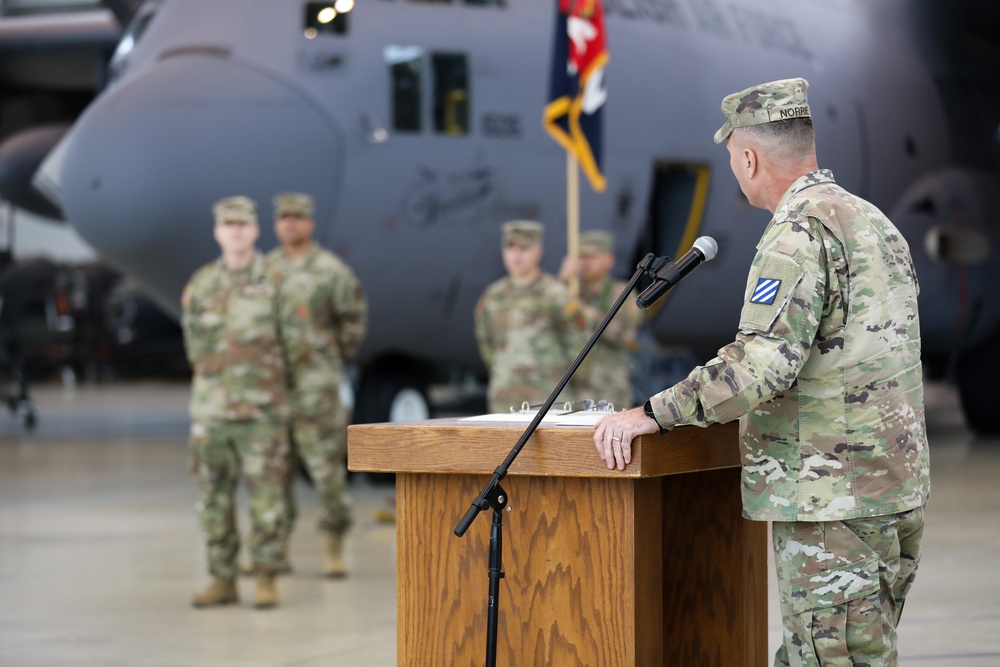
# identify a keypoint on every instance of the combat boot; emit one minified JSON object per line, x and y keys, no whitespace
{"x":219,"y":592}
{"x":249,"y":569}
{"x":266,"y":596}
{"x":333,"y":558}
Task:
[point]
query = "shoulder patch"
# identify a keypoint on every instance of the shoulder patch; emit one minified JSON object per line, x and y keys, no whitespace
{"x":766,"y":290}
{"x":772,"y":280}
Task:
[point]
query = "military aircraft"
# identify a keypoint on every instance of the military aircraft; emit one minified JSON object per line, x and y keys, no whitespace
{"x":417,"y":126}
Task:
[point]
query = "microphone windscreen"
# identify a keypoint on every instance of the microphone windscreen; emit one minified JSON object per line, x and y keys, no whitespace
{"x":707,"y":246}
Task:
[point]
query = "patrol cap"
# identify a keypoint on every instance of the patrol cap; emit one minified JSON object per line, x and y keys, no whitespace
{"x":293,"y":203}
{"x":527,"y":232}
{"x":768,"y":102}
{"x":596,"y":241}
{"x":235,"y":209}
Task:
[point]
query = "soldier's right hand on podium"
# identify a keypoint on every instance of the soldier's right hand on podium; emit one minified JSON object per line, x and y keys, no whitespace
{"x":613,"y":435}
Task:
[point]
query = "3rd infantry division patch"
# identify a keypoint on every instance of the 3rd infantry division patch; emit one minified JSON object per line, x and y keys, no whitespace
{"x":766,"y":290}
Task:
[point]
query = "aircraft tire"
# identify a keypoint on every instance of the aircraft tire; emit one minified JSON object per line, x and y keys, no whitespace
{"x":390,"y":392}
{"x":978,"y":372}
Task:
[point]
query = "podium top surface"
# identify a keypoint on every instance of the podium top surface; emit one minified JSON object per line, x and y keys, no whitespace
{"x":461,"y":447}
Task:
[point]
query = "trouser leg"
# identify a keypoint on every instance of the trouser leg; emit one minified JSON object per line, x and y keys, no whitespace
{"x":265,"y":458}
{"x":841,"y":585}
{"x":215,"y":464}
{"x":321,"y":443}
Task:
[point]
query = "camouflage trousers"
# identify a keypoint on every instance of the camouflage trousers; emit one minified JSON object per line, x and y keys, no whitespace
{"x":320,"y":443}
{"x":220,"y":454}
{"x":842,"y":585}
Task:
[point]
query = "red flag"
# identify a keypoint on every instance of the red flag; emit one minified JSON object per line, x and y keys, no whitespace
{"x":574,"y":113}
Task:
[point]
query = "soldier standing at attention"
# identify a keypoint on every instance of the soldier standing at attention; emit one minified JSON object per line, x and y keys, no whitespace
{"x":825,"y":378}
{"x":604,"y":374}
{"x":526,"y":323}
{"x":324,"y":316}
{"x":238,"y":405}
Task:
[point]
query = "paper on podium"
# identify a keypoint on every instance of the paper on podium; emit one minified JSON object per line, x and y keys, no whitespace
{"x":582,"y":418}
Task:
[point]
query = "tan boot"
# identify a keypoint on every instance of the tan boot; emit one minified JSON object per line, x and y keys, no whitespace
{"x":266,"y":596}
{"x":219,"y":592}
{"x":249,"y":570}
{"x":333,"y":558}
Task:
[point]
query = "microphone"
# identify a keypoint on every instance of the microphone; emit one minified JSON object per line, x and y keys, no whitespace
{"x":704,"y":249}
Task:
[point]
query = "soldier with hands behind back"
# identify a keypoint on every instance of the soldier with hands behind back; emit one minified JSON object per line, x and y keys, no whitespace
{"x":238,"y":405}
{"x":526,"y":324}
{"x":324,"y":318}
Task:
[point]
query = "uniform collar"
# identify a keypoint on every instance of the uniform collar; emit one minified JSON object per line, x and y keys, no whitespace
{"x":307,"y":257}
{"x":817,"y":177}
{"x":253,"y":270}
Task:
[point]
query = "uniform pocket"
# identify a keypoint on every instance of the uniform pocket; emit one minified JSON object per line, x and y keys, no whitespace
{"x":835,"y":586}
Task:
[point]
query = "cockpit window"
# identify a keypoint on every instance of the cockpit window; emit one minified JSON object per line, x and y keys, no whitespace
{"x":327,"y":18}
{"x":451,"y":93}
{"x":136,"y":29}
{"x":405,"y":64}
{"x":492,"y":3}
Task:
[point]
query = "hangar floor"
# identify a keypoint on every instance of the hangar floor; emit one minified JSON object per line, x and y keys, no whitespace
{"x":100,"y":551}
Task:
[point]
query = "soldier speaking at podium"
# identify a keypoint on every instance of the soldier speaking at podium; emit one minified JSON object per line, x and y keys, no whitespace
{"x":826,"y":380}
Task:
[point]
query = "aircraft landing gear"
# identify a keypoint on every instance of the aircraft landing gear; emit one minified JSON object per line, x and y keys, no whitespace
{"x":977,"y":372}
{"x":391,"y":394}
{"x":17,"y":400}
{"x":391,"y":390}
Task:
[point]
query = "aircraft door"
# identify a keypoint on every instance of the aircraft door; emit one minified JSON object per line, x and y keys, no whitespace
{"x":677,"y":199}
{"x":676,"y":207}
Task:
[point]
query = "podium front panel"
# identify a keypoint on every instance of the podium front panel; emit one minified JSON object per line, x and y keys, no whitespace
{"x":656,"y":567}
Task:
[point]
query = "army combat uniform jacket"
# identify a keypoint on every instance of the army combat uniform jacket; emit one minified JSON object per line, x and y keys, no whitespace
{"x":825,"y":372}
{"x":604,"y":374}
{"x":526,"y":336}
{"x":324,"y":316}
{"x":233,"y":342}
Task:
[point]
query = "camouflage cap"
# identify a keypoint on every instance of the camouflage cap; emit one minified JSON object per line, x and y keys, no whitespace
{"x":293,"y":203}
{"x":777,"y":100}
{"x":527,"y":232}
{"x":596,"y":241}
{"x":235,"y":209}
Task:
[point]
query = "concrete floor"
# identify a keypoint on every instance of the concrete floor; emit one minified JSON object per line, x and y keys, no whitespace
{"x":100,"y":551}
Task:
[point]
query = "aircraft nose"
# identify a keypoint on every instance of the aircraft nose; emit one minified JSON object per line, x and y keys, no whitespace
{"x":148,"y":159}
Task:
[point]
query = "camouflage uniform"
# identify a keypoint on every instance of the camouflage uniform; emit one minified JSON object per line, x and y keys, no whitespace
{"x":825,"y":377}
{"x":238,"y":411}
{"x":526,"y":335}
{"x":324,"y":317}
{"x":604,"y":375}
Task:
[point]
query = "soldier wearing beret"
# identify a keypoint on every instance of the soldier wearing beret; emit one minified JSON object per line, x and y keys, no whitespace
{"x":604,"y":374}
{"x":527,"y":326}
{"x":324,"y":317}
{"x":825,"y":378}
{"x":238,"y":405}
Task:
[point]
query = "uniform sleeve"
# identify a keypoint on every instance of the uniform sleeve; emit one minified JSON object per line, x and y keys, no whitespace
{"x":784,"y":302}
{"x":483,"y":329}
{"x":195,"y":344}
{"x":622,"y":328}
{"x":350,"y":307}
{"x":572,"y":318}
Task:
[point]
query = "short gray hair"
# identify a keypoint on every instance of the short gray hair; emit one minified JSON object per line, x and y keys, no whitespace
{"x":791,"y":139}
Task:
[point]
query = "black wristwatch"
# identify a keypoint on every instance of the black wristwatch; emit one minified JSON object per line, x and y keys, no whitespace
{"x":648,"y":409}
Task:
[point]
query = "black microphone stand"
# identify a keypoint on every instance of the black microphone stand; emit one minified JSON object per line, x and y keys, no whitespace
{"x":493,"y":494}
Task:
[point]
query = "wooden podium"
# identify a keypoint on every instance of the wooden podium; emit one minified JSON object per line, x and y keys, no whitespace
{"x":652,"y":565}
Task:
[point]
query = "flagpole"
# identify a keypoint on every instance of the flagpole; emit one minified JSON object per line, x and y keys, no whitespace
{"x":573,"y":217}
